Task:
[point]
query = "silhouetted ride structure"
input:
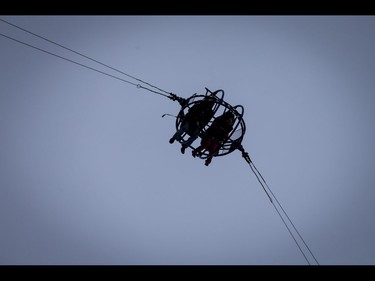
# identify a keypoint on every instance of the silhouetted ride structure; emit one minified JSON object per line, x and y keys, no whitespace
{"x":233,"y":141}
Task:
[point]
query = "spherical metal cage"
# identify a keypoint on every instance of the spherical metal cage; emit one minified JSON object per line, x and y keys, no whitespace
{"x":234,"y":138}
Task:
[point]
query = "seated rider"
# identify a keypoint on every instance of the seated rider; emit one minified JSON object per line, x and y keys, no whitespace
{"x":194,"y":121}
{"x":215,"y":135}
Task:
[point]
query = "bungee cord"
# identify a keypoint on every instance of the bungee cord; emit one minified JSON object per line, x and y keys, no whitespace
{"x":271,"y":195}
{"x":166,"y":94}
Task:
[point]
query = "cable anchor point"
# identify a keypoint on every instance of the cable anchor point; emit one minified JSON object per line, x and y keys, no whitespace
{"x":180,"y":100}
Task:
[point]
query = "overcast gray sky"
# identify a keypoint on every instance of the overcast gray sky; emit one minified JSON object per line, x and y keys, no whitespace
{"x":87,"y":175}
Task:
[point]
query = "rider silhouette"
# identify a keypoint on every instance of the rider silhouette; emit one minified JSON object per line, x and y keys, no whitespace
{"x":215,"y":135}
{"x":197,"y":117}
